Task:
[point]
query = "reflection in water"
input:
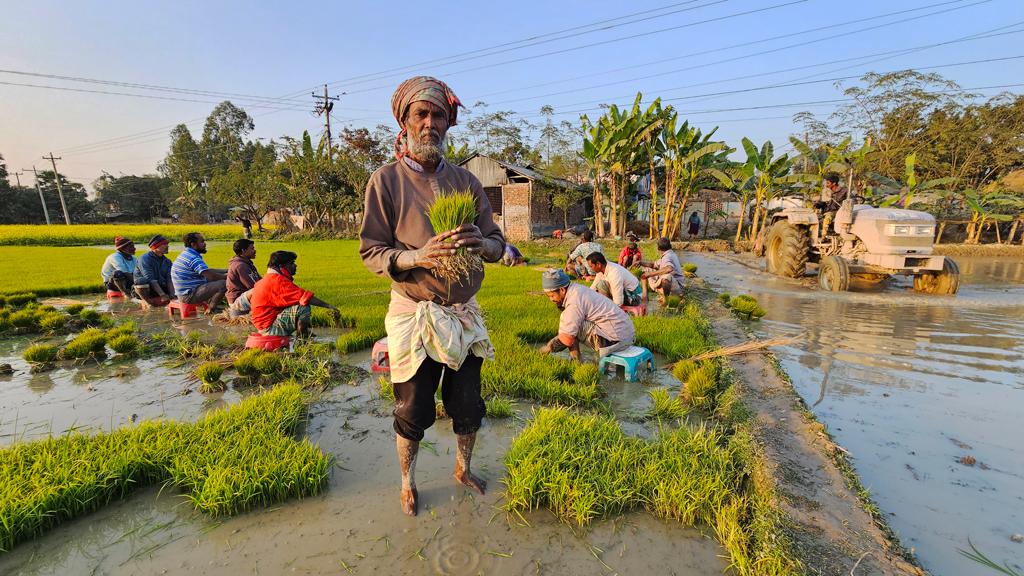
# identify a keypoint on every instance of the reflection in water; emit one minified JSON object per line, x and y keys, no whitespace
{"x":909,"y":384}
{"x":40,"y":383}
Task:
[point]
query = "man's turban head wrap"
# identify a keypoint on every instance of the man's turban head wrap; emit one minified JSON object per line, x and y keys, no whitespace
{"x":426,"y":89}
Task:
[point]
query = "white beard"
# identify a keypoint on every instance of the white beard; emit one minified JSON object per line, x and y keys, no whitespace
{"x":426,"y":152}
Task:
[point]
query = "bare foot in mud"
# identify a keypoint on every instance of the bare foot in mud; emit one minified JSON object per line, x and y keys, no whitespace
{"x":471,"y":480}
{"x":409,"y":498}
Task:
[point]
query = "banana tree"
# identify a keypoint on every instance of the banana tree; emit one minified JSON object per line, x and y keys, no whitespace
{"x":594,"y":142}
{"x":764,"y":174}
{"x":984,"y":207}
{"x":691,"y":160}
{"x":817,"y":162}
{"x":911,"y":187}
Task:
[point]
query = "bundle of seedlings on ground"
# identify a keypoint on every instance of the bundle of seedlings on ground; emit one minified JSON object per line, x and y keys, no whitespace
{"x":725,"y":298}
{"x":73,"y":309}
{"x":678,"y":336}
{"x":701,"y":383}
{"x":209,"y":374}
{"x":498,"y":407}
{"x":19,"y":299}
{"x":519,"y":371}
{"x":229,"y":461}
{"x":746,"y":306}
{"x":89,"y":344}
{"x":125,"y":344}
{"x":322,"y":318}
{"x":89,"y":317}
{"x":690,"y":270}
{"x":447,"y":212}
{"x":583,"y":467}
{"x":39,"y":354}
{"x":665,"y":406}
{"x":366,"y":332}
{"x":187,"y":347}
{"x":256,"y":363}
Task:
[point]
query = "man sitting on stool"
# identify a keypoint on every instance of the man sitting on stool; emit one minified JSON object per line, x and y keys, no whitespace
{"x":586,"y":315}
{"x":615,"y":282}
{"x":153,"y":274}
{"x":279,"y":307}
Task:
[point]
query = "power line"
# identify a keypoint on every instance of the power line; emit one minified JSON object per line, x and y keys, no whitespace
{"x":724,"y":48}
{"x":613,"y":40}
{"x":745,"y":56}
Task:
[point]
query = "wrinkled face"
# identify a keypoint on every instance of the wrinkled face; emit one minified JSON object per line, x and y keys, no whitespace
{"x":162,"y":248}
{"x":426,"y":125}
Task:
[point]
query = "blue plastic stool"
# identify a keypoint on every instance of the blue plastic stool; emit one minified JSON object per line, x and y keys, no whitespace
{"x":631,"y":359}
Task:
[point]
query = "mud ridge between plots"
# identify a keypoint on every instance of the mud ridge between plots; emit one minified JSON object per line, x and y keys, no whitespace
{"x":830,"y":529}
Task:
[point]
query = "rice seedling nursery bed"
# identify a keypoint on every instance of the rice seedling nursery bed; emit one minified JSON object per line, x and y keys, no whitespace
{"x":683,"y":456}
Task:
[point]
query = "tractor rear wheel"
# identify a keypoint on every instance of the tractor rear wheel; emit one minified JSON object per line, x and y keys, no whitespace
{"x":834,"y":274}
{"x":946,"y":281}
{"x":786,"y":250}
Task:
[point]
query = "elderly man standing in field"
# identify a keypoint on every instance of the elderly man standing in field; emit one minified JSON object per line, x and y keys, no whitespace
{"x":436,"y":332}
{"x":586,"y":315}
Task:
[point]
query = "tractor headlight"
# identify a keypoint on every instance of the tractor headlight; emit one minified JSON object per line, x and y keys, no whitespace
{"x":900,"y":230}
{"x":924,"y":231}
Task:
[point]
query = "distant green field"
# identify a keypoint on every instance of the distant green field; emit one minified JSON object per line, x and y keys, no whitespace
{"x":103,"y":234}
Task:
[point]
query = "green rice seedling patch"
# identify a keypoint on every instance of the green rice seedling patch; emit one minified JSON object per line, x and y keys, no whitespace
{"x":725,"y":298}
{"x":746,"y":306}
{"x":229,"y":461}
{"x":209,"y":374}
{"x":690,"y":269}
{"x":40,"y":354}
{"x":582,"y":467}
{"x":52,"y":321}
{"x":88,"y":344}
{"x":386,"y":390}
{"x":19,"y":299}
{"x":498,"y":407}
{"x":128,"y":327}
{"x":74,"y":309}
{"x":103,"y":234}
{"x":89,"y":316}
{"x":701,"y":387}
{"x":666,"y":406}
{"x":125,"y":344}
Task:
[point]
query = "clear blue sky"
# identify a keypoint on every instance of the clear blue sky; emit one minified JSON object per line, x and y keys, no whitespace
{"x":280,"y":48}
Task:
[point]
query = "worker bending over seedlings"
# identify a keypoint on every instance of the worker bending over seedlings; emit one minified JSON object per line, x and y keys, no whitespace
{"x":153,"y":274}
{"x":436,"y":333}
{"x":664,"y":275}
{"x":118,"y":269}
{"x":242,"y":276}
{"x":630,"y":255}
{"x":195,"y":282}
{"x":279,"y":307}
{"x":576,"y":261}
{"x":586,"y":315}
{"x":615,"y":282}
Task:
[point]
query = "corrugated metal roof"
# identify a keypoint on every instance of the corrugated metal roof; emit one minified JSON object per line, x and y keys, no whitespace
{"x":523,"y":171}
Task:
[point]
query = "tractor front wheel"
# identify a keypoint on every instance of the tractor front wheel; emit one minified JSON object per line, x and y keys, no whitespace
{"x":946,"y":281}
{"x":834,"y":274}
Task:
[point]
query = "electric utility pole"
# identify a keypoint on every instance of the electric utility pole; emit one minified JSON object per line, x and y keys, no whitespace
{"x":60,"y":189}
{"x":324,"y":105}
{"x":17,"y":176}
{"x":46,"y":213}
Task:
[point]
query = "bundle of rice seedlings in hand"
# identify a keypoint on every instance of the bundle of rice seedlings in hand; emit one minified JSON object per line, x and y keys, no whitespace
{"x":448,"y":212}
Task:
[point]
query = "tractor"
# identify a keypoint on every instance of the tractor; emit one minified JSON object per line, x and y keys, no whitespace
{"x":859,"y":242}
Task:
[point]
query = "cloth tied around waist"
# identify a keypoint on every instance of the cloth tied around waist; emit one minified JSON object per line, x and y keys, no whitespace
{"x":446,"y":334}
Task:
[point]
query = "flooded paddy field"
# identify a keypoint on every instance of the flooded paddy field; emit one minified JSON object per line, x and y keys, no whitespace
{"x":925,"y":392}
{"x":355,"y":525}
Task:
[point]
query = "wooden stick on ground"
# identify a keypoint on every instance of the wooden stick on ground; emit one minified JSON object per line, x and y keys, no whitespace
{"x":744,"y":348}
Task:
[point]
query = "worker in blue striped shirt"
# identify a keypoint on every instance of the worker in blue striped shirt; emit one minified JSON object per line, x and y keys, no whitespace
{"x":194,"y":281}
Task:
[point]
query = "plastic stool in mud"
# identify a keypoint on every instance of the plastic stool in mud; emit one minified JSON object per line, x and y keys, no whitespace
{"x":632,"y":360}
{"x":379,"y":358}
{"x":638,"y":310}
{"x":269,"y":343}
{"x":114,"y":295}
{"x":185,"y":310}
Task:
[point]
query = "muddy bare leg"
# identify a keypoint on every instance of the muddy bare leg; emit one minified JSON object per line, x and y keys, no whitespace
{"x":463,"y":457}
{"x":407,"y":450}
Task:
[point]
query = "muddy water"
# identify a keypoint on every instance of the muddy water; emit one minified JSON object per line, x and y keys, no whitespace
{"x":356,"y":525}
{"x":910,"y":384}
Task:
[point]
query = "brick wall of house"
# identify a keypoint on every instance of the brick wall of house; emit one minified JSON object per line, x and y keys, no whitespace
{"x":516,"y":211}
{"x":546,"y":217}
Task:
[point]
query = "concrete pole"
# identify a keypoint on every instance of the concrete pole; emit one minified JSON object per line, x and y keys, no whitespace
{"x":46,"y":213}
{"x":60,"y":189}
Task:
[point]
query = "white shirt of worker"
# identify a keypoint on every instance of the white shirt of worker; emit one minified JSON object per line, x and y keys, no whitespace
{"x":620,"y":280}
{"x":670,"y":259}
{"x":582,"y":305}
